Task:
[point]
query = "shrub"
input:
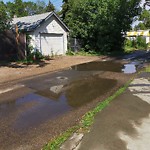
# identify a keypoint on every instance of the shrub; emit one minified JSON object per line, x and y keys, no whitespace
{"x":141,"y":42}
{"x":138,"y":43}
{"x":35,"y":56}
{"x":128,"y":43}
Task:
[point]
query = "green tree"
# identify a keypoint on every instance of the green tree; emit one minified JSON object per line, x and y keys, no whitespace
{"x":16,"y":8}
{"x":100,"y":25}
{"x":145,"y":18}
{"x":40,"y":7}
{"x":50,"y":7}
{"x":30,"y":8}
{"x":19,"y":8}
{"x":65,"y":9}
{"x":140,"y":26}
{"x":4,"y":18}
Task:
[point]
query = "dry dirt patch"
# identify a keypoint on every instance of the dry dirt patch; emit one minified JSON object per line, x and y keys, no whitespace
{"x":16,"y":71}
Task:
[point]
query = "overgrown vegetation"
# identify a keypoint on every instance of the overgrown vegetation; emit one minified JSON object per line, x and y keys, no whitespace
{"x":100,"y":25}
{"x":85,"y":122}
{"x":135,"y":44}
{"x":144,"y":19}
{"x":83,"y":53}
{"x":4,"y":18}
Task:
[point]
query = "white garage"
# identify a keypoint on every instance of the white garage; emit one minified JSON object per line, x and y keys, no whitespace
{"x":48,"y":33}
{"x":52,"y":44}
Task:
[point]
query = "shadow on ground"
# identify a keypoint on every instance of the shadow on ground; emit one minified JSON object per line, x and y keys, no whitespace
{"x":22,"y":64}
{"x":118,"y":117}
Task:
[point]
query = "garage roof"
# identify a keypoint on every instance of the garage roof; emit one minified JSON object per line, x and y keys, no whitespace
{"x":30,"y":23}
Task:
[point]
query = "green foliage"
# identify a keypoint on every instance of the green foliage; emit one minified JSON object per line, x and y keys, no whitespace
{"x":100,"y":24}
{"x":30,"y":7}
{"x":140,"y":26}
{"x":82,"y":52}
{"x":138,"y":43}
{"x":35,"y":56}
{"x":50,"y":7}
{"x":32,"y":55}
{"x":65,"y":9}
{"x":16,"y":8}
{"x":4,"y":18}
{"x":128,"y":43}
{"x":56,"y":143}
{"x":141,"y":42}
{"x":21,"y":8}
{"x":145,"y":18}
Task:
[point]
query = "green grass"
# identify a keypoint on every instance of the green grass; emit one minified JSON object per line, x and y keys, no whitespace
{"x":56,"y":142}
{"x":85,"y":123}
{"x":147,"y":69}
{"x":83,"y":53}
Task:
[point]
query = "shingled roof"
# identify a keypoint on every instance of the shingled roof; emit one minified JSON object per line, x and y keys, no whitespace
{"x":30,"y":23}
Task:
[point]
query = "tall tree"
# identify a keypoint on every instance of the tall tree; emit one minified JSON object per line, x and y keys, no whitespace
{"x":65,"y":9}
{"x":40,"y":7}
{"x":144,"y":20}
{"x":30,"y":8}
{"x":4,"y":18}
{"x":100,"y":25}
{"x":19,"y":8}
{"x":16,"y":8}
{"x":50,"y":7}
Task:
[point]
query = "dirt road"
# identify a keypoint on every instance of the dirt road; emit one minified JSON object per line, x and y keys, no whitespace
{"x":13,"y":71}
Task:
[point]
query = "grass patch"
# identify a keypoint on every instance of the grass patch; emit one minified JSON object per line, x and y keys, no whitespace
{"x":147,"y":69}
{"x":56,"y":142}
{"x":83,"y":53}
{"x":85,"y":122}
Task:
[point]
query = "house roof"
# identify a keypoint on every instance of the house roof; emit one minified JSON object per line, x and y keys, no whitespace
{"x":139,"y":33}
{"x":30,"y":23}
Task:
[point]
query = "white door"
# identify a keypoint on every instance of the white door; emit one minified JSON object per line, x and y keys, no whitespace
{"x":52,"y":44}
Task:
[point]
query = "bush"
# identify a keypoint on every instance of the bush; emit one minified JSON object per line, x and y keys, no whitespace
{"x":35,"y":56}
{"x":141,"y":42}
{"x":138,"y":43}
{"x":128,"y":43}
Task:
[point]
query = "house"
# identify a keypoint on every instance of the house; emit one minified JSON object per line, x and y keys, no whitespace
{"x":47,"y":31}
{"x":143,"y":33}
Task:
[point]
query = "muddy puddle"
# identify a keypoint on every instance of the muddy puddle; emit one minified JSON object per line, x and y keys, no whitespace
{"x":34,"y":109}
{"x":108,"y":66}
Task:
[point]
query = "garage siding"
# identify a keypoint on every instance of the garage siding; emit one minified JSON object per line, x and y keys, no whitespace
{"x":50,"y":36}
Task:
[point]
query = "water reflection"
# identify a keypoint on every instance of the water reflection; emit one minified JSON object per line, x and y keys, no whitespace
{"x":36,"y":108}
{"x":108,"y":66}
{"x":99,"y":66}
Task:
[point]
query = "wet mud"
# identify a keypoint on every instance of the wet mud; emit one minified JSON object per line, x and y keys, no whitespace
{"x":32,"y":111}
{"x":83,"y":91}
{"x":112,"y":66}
{"x":45,"y":105}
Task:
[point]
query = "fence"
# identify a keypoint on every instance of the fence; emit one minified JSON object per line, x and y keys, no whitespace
{"x":9,"y":48}
{"x":74,"y":44}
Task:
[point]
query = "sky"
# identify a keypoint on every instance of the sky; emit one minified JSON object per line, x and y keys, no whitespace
{"x":57,"y":3}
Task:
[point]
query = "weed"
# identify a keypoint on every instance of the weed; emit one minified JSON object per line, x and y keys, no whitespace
{"x":56,"y":142}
